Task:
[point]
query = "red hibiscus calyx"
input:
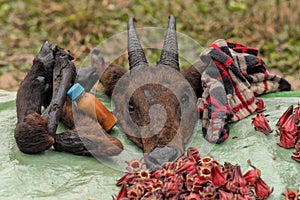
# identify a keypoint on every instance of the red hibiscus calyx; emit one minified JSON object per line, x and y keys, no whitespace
{"x":261,"y":124}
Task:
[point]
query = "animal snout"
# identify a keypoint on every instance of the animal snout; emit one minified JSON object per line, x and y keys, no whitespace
{"x":161,"y":155}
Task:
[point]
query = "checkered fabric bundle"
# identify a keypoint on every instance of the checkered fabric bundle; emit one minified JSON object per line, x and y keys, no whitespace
{"x":233,"y":77}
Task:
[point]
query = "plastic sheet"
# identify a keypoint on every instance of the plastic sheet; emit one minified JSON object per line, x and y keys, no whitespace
{"x":57,"y":175}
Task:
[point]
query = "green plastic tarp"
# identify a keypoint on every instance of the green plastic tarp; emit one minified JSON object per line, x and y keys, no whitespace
{"x":59,"y":175}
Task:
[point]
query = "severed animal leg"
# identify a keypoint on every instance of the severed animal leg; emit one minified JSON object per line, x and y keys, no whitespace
{"x":87,"y":136}
{"x":31,"y":132}
{"x":64,"y":74}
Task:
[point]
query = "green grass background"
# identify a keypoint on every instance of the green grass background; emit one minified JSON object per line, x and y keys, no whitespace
{"x":272,"y":26}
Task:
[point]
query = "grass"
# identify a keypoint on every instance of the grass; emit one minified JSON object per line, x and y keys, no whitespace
{"x":272,"y":26}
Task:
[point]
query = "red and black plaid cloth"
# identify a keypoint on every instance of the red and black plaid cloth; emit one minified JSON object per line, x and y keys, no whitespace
{"x":233,"y":77}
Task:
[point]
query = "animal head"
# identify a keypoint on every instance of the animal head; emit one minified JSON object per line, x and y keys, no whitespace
{"x":155,"y":105}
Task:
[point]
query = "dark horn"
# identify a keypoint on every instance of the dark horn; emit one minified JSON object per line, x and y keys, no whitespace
{"x":136,"y":54}
{"x":169,"y":53}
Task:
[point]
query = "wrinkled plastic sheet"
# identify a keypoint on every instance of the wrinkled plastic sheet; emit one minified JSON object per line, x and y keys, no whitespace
{"x":58,"y":175}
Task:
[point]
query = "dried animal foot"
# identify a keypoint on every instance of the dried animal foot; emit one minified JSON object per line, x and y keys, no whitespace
{"x":32,"y":134}
{"x":95,"y":144}
{"x":86,"y":136}
{"x":33,"y":90}
{"x":71,"y":142}
{"x":64,"y":75}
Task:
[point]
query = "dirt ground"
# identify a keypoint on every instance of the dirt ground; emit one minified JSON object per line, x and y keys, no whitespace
{"x":11,"y":80}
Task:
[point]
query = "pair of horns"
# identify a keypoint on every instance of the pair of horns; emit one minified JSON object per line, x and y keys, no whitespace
{"x":169,"y":54}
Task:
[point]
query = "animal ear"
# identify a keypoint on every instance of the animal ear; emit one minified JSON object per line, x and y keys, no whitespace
{"x":169,"y":53}
{"x":136,"y":54}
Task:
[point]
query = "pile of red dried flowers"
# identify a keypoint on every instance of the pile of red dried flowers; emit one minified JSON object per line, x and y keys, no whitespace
{"x":289,"y":130}
{"x":192,"y":177}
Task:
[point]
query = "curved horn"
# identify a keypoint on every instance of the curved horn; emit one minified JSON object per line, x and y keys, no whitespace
{"x":169,"y":53}
{"x":136,"y":54}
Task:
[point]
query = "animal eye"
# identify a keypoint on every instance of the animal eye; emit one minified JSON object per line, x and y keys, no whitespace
{"x":184,"y":98}
{"x":130,"y":106}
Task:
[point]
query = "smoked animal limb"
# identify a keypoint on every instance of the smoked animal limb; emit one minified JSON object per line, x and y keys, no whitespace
{"x":63,"y":75}
{"x":31,"y":132}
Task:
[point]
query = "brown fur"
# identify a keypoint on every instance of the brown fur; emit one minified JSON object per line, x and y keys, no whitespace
{"x":32,"y":134}
{"x":193,"y":75}
{"x":110,"y":77}
{"x":147,"y":97}
{"x":140,"y":115}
